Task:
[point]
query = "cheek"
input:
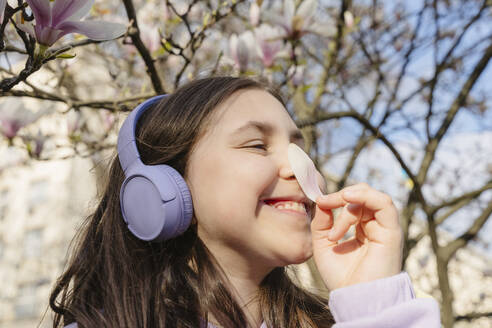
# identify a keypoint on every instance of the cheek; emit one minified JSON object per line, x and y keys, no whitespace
{"x":229,"y":184}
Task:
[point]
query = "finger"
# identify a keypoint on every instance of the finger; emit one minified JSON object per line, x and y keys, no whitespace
{"x":367,"y":214}
{"x":335,"y":199}
{"x":384,"y":211}
{"x":374,"y":231}
{"x":322,"y":223}
{"x":330,"y":201}
{"x":360,"y":235}
{"x":349,"y":215}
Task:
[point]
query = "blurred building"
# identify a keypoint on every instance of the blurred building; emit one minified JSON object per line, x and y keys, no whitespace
{"x":40,"y":208}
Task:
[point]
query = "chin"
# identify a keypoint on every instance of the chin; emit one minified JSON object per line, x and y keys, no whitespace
{"x":299,"y":256}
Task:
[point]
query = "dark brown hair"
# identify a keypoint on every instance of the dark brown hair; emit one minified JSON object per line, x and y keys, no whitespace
{"x":113,"y":279}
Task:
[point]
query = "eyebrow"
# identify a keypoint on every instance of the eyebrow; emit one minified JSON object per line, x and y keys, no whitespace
{"x":267,"y":129}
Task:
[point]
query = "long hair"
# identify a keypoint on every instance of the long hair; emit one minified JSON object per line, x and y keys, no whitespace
{"x":113,"y":279}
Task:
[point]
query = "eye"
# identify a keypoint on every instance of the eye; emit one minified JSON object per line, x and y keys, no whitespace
{"x":258,"y":146}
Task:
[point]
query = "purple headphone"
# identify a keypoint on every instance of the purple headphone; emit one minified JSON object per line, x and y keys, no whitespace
{"x":155,"y":200}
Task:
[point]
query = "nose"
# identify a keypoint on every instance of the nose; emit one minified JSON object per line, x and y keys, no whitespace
{"x":286,"y":172}
{"x":285,"y":167}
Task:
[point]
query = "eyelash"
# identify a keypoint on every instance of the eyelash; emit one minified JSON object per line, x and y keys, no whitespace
{"x":257,"y":145}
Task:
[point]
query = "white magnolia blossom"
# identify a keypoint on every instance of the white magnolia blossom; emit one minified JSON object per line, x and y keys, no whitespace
{"x":348,"y":17}
{"x":242,"y":49}
{"x":254,"y":14}
{"x":296,"y":74}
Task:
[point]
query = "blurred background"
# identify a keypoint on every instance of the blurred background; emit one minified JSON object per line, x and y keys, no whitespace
{"x":397,"y":94}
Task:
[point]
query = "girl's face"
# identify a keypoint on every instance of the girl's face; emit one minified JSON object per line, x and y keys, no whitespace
{"x":236,"y":165}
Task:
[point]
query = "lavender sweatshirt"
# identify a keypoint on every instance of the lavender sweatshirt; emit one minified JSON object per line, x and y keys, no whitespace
{"x":382,"y":303}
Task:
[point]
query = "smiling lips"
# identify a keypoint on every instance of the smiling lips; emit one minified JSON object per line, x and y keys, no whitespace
{"x":288,"y":206}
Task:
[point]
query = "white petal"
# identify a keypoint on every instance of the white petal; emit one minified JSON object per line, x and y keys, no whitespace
{"x":289,"y":10}
{"x":233,"y":46}
{"x":322,"y":29}
{"x":82,"y":12}
{"x":26,"y":26}
{"x":95,"y":30}
{"x":304,"y":170}
{"x":307,"y":8}
{"x":349,"y":19}
{"x":254,"y":14}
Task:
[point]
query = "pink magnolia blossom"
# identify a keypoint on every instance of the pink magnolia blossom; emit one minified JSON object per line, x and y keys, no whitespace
{"x":14,"y":116}
{"x":54,"y":19}
{"x":35,"y":144}
{"x":269,"y":44}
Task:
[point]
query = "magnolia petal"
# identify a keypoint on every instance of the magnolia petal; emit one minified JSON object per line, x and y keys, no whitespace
{"x":304,"y":170}
{"x":42,"y":11}
{"x":278,"y":20}
{"x":9,"y":128}
{"x":242,"y":54}
{"x":3,"y":3}
{"x":26,"y":26}
{"x":99,"y":31}
{"x":289,"y":10}
{"x":73,"y":9}
{"x":48,"y":36}
{"x":307,"y":9}
{"x":233,"y":41}
{"x":348,"y":17}
{"x":322,"y":29}
{"x":254,"y":14}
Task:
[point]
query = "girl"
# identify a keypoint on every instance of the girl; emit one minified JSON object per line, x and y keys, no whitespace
{"x":224,"y":264}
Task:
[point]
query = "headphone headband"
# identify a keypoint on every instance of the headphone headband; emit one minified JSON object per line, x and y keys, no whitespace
{"x":127,"y":147}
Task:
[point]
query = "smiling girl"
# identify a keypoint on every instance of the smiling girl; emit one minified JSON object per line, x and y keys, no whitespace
{"x":241,"y":219}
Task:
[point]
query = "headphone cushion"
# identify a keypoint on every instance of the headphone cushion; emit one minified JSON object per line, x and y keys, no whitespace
{"x":184,"y":196}
{"x":155,"y":202}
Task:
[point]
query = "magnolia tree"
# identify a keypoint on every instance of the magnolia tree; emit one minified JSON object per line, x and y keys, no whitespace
{"x":405,"y":80}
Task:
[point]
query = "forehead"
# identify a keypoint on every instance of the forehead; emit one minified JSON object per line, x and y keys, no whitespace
{"x":248,"y":111}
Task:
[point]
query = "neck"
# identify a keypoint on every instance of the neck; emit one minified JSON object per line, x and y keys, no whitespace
{"x":245,"y":276}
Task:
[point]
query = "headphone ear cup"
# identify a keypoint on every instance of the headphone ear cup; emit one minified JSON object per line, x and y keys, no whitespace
{"x":184,"y":199}
{"x":155,"y":202}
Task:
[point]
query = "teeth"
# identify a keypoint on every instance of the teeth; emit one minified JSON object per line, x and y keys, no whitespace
{"x":295,"y":206}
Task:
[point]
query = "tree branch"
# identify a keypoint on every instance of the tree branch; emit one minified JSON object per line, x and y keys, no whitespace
{"x":324,"y":116}
{"x":473,"y":316}
{"x":144,"y":52}
{"x":469,"y":195}
{"x":458,"y":102}
{"x":448,"y":251}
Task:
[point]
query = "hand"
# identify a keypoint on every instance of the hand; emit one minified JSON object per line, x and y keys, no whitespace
{"x":376,"y":249}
